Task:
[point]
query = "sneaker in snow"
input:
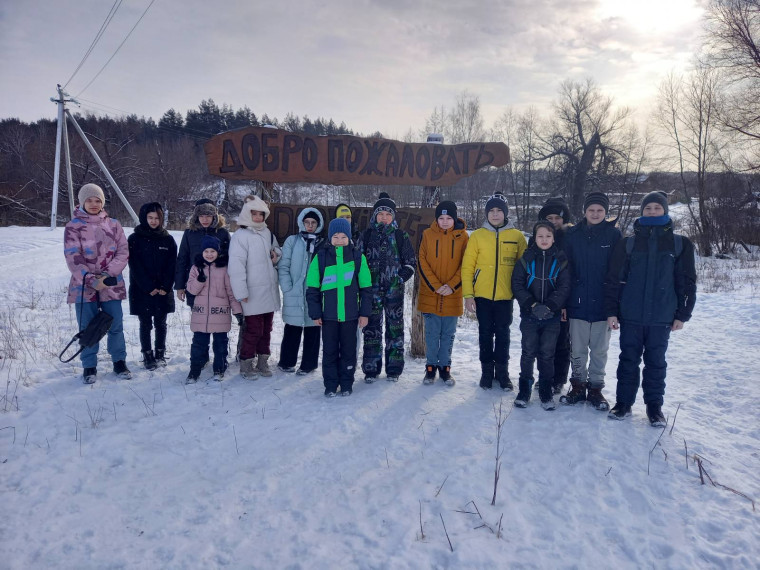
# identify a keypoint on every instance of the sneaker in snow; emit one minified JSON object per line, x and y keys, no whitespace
{"x":548,"y":404}
{"x":192,"y":378}
{"x":287,"y":368}
{"x":330,"y":394}
{"x":619,"y":412}
{"x":450,"y":381}
{"x":392,"y":378}
{"x":557,"y":388}
{"x":429,"y":374}
{"x":507,"y":386}
{"x":218,"y":376}
{"x":369,"y":379}
{"x":345,"y":393}
{"x":121,"y":370}
{"x":89,"y":375}
{"x":302,"y":372}
{"x":656,"y":418}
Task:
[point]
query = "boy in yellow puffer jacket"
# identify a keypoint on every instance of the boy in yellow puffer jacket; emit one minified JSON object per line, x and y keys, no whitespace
{"x":489,"y":259}
{"x":440,"y":288}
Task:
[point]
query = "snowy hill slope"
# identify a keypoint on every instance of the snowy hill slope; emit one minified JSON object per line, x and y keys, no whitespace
{"x":149,"y":473}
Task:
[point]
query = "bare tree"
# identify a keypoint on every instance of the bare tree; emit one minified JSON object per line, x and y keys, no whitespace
{"x":687,"y":114}
{"x":581,"y":135}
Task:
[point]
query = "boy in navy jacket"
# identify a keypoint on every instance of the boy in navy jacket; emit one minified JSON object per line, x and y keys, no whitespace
{"x":650,"y":291}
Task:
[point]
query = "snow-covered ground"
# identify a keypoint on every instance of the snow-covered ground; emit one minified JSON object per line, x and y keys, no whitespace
{"x":150,"y":473}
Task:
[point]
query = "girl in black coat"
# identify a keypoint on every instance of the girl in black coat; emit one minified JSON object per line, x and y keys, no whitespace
{"x":152,"y":260}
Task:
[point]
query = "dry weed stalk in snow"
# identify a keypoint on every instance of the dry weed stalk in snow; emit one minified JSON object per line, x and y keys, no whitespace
{"x":500,"y":419}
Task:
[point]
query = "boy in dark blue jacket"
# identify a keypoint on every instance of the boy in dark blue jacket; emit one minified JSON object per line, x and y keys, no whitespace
{"x":540,"y":283}
{"x":588,"y":247}
{"x":651,"y":288}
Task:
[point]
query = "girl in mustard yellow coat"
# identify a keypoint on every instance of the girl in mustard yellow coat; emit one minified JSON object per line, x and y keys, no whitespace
{"x":440,"y":292}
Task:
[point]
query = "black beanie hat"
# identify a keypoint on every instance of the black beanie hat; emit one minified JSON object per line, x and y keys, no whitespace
{"x":497,"y":202}
{"x":384,"y":205}
{"x":657,"y":196}
{"x":555,"y":205}
{"x":311,"y":215}
{"x":597,"y":198}
{"x":446,"y":208}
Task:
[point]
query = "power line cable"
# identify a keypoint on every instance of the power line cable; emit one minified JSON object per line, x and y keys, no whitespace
{"x":117,"y":49}
{"x":101,"y":31}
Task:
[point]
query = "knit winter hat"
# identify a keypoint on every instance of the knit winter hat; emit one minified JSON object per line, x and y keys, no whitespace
{"x":555,"y":205}
{"x":384,"y":205}
{"x":338,"y":226}
{"x":91,"y":191}
{"x":597,"y":198}
{"x":211,"y":242}
{"x":446,"y":208}
{"x":311,"y":215}
{"x":657,"y":196}
{"x":342,"y":210}
{"x":497,"y":202}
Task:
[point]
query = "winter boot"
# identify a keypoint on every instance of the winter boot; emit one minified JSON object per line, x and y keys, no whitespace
{"x":445,"y":373}
{"x":656,"y":418}
{"x":262,"y":366}
{"x":548,"y":404}
{"x":121,"y":370}
{"x":89,"y":375}
{"x":523,"y":395}
{"x":149,"y":361}
{"x":160,"y":357}
{"x":577,"y":393}
{"x":502,"y":376}
{"x":429,"y":374}
{"x":486,"y":376}
{"x":619,"y":412}
{"x":247,"y":370}
{"x":288,"y":369}
{"x":595,"y":397}
{"x":557,"y":388}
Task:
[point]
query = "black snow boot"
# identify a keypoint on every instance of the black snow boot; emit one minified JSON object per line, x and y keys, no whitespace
{"x":656,"y":418}
{"x":595,"y":397}
{"x":430,"y":371}
{"x":619,"y":411}
{"x":486,"y":376}
{"x":523,"y":396}
{"x":160,"y":355}
{"x":149,"y":361}
{"x":445,"y":373}
{"x":121,"y":370}
{"x":577,"y":393}
{"x":502,"y":376}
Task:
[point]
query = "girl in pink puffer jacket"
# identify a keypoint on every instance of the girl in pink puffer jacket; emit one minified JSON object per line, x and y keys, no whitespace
{"x":212,"y":310}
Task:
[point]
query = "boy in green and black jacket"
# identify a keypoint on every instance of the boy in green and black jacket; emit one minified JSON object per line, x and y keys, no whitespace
{"x":339,"y":298}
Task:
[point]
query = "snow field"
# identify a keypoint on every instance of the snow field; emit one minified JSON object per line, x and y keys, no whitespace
{"x":151,"y":473}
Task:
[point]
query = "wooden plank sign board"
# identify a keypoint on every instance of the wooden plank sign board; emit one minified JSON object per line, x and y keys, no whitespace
{"x":276,"y":155}
{"x":282,"y":220}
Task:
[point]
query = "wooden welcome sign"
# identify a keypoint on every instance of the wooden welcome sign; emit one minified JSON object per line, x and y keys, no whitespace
{"x":275,"y":155}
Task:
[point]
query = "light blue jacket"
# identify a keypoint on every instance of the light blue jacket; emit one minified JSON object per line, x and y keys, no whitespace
{"x":292,"y":271}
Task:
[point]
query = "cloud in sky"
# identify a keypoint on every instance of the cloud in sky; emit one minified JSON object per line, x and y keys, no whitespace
{"x":377,"y":65}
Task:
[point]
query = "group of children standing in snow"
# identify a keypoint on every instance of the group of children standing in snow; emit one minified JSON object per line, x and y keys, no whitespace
{"x":573,"y":284}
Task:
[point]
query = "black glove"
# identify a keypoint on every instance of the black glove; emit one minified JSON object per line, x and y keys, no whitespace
{"x":541,"y":312}
{"x":201,"y":275}
{"x":109,"y":281}
{"x":405,"y":273}
{"x":239,"y":319}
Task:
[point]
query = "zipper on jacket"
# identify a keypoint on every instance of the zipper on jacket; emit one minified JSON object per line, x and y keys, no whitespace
{"x":208,"y":296}
{"x":496,"y":272}
{"x":543,"y":274}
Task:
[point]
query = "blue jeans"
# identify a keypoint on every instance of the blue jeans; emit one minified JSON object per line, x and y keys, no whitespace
{"x":652,"y":342}
{"x":439,"y":338}
{"x":117,"y":348}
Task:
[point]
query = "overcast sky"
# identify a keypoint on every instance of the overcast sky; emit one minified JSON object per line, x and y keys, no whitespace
{"x":375,"y":64}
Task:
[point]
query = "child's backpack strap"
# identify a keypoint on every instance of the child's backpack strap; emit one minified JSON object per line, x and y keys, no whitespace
{"x":678,"y":243}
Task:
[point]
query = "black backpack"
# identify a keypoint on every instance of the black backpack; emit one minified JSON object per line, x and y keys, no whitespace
{"x":95,"y":330}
